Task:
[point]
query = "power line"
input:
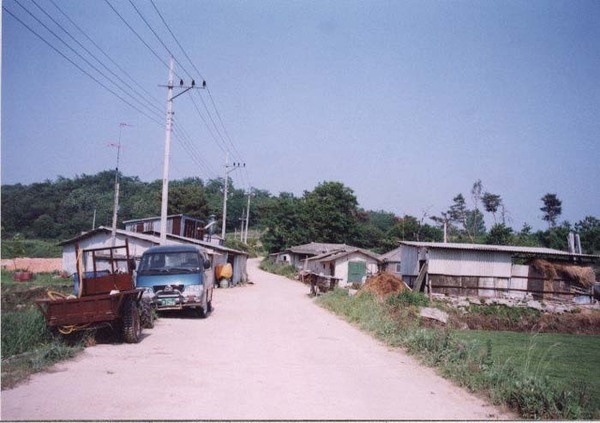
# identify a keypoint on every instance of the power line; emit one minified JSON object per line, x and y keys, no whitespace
{"x":99,"y":61}
{"x":103,"y":52}
{"x":75,"y":64}
{"x":208,"y":128}
{"x":147,"y":105}
{"x":195,"y":154}
{"x":159,"y":39}
{"x":139,"y":37}
{"x":238,"y":155}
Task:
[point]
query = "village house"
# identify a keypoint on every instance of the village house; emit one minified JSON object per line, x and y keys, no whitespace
{"x":343,"y":263}
{"x":480,"y":270}
{"x":138,"y":243}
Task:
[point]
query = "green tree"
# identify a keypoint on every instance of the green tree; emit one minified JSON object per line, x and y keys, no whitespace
{"x":491,"y":203}
{"x":555,"y":237}
{"x":499,"y":234}
{"x":284,"y":223}
{"x":552,"y":209}
{"x":331,"y":209}
{"x":409,"y":228}
{"x":187,"y":197}
{"x":475,"y":224}
{"x":44,"y":227}
{"x":589,"y":234}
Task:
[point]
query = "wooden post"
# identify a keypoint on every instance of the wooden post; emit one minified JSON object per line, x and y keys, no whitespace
{"x":79,"y":260}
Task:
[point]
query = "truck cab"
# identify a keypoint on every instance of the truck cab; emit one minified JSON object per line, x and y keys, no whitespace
{"x":175,"y":277}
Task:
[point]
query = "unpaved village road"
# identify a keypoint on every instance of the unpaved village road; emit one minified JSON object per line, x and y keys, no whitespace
{"x":266,"y":352}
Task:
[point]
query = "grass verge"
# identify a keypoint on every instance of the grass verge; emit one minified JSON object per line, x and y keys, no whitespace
{"x":287,"y":270}
{"x":28,"y":346}
{"x":544,"y":376}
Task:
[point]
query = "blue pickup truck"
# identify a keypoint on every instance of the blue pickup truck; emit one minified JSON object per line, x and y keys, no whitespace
{"x":175,"y":277}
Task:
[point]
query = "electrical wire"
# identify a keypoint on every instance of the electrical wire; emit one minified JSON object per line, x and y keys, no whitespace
{"x":237,"y":155}
{"x":77,"y":65}
{"x":159,"y":39}
{"x":147,"y":105}
{"x":140,"y":37}
{"x":100,"y":62}
{"x":115,"y":63}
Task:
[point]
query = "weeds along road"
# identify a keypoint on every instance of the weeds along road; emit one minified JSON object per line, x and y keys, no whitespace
{"x":266,"y":352}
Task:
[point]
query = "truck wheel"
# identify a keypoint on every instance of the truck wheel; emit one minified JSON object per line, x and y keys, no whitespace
{"x":200,"y":312}
{"x":132,"y":327}
{"x":204,"y":309}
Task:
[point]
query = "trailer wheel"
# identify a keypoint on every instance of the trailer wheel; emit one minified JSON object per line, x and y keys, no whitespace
{"x":146,"y":314}
{"x":132,"y":327}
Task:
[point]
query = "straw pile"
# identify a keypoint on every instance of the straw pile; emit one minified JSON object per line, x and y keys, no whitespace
{"x":580,"y":275}
{"x":384,"y":284}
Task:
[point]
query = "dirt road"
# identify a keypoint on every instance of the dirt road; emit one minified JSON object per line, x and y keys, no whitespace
{"x":266,"y":352}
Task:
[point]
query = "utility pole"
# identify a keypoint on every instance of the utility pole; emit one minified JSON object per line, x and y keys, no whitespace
{"x":167,"y":153}
{"x":226,"y":181}
{"x":243,"y":219}
{"x":247,"y":218}
{"x":116,"y":200}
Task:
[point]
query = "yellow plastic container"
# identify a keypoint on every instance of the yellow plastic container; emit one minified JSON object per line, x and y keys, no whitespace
{"x":223,"y":271}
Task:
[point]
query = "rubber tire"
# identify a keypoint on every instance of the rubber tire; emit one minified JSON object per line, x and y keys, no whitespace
{"x":200,"y":312}
{"x":147,"y":314}
{"x":132,"y":325}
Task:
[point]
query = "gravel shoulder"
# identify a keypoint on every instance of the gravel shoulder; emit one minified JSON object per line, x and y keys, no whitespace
{"x":266,"y":352}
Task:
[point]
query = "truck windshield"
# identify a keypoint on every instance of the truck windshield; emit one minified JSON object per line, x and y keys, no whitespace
{"x":176,"y":262}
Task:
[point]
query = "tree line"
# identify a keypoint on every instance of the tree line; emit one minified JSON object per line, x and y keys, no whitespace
{"x":61,"y":209}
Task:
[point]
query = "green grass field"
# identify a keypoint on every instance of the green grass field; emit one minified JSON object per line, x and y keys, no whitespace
{"x":538,"y":375}
{"x":564,"y":358}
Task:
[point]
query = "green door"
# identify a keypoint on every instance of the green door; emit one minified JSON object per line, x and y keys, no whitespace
{"x":356,"y":271}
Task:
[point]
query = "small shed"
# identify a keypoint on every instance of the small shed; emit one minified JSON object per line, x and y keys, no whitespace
{"x":177,"y":224}
{"x":296,"y":255}
{"x":495,"y":270}
{"x":391,"y":262}
{"x":351,"y":265}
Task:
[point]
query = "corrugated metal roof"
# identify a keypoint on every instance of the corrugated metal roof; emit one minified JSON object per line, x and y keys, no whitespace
{"x":318,"y":248}
{"x":153,"y":239}
{"x":334,"y":255}
{"x":498,"y":248}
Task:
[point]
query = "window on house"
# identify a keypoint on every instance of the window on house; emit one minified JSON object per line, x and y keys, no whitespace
{"x":398,"y":268}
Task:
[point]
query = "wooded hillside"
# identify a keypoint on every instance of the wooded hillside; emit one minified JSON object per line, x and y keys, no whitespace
{"x":60,"y":209}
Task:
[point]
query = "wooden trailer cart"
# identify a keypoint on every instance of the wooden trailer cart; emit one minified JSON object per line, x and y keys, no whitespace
{"x":105,"y":295}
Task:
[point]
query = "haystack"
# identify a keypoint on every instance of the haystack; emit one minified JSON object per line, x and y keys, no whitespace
{"x":580,"y":275}
{"x":384,"y":284}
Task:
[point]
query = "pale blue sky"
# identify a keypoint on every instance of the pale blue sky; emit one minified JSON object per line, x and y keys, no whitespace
{"x":406,"y":102}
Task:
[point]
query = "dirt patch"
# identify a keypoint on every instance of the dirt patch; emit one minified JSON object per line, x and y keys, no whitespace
{"x":384,"y":284}
{"x":35,"y":265}
{"x":583,"y":322}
